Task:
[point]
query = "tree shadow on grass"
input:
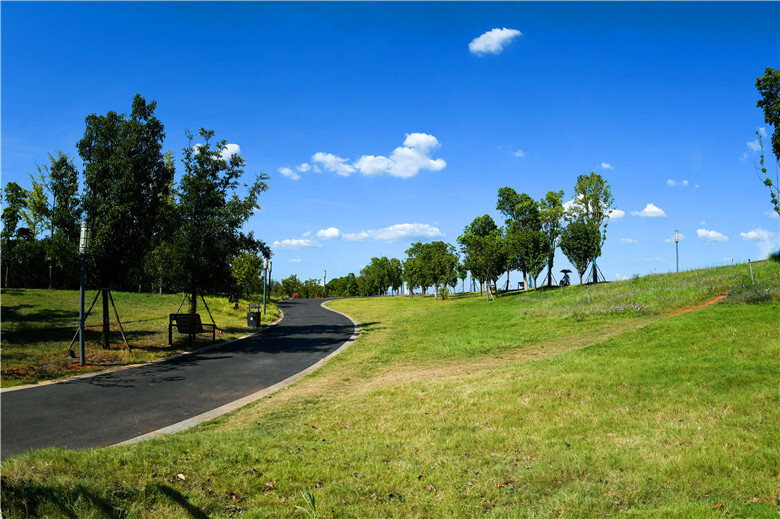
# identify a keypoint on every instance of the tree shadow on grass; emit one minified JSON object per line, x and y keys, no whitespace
{"x":35,"y":499}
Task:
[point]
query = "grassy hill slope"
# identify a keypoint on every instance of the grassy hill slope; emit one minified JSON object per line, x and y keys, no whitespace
{"x":584,"y":402}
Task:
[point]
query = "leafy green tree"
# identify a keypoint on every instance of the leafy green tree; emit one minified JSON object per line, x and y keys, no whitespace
{"x":592,"y":206}
{"x":211,"y":215}
{"x":769,"y":88}
{"x":396,"y":273}
{"x":531,"y":248}
{"x":462,"y":272}
{"x":247,"y":270}
{"x":15,"y":203}
{"x":483,"y":246}
{"x":125,"y":181}
{"x":579,"y":243}
{"x":292,"y":285}
{"x":524,"y":222}
{"x":352,"y":286}
{"x":551,"y":216}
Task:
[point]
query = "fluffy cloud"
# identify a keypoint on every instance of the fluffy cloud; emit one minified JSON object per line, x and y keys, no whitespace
{"x":755,"y":235}
{"x":672,"y":183}
{"x":772,"y":214}
{"x":228,"y":151}
{"x":650,"y":211}
{"x":616,"y":214}
{"x":295,"y":243}
{"x":405,"y":161}
{"x":606,"y":165}
{"x":287,"y":172}
{"x":303,"y":168}
{"x":627,"y":240}
{"x":401,"y":231}
{"x":330,"y":162}
{"x":519,"y":153}
{"x":493,"y":42}
{"x":294,"y":260}
{"x":711,"y":236}
{"x":328,"y":234}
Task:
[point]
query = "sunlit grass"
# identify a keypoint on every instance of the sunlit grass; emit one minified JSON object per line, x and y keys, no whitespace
{"x":464,"y":408}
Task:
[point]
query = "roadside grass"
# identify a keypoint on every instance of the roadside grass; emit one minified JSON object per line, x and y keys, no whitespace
{"x":38,"y":325}
{"x":631,"y":415}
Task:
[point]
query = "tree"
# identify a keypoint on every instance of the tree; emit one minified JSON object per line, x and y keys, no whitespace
{"x":551,"y":216}
{"x":247,"y":270}
{"x":292,"y":285}
{"x":211,"y":215}
{"x":462,"y":272}
{"x":769,"y":88}
{"x":125,"y":183}
{"x":531,"y":248}
{"x":15,"y":203}
{"x":431,"y":264}
{"x":592,"y":206}
{"x":482,"y":244}
{"x":524,"y":222}
{"x":579,"y":242}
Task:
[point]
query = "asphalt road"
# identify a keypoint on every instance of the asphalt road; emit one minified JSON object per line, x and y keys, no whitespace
{"x":114,"y":407}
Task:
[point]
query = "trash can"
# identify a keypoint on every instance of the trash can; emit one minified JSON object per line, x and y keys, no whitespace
{"x":253,"y":316}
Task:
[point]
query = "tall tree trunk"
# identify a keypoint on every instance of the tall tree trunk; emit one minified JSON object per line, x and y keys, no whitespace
{"x":106,"y":326}
{"x":549,"y":274}
{"x":525,"y":281}
{"x":194,"y":300}
{"x":595,"y":272}
{"x":436,"y":291}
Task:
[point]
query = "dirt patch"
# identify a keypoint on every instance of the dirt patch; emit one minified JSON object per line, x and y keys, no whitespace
{"x":708,"y":303}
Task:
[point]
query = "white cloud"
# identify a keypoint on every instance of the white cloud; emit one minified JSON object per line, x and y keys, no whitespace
{"x":621,"y":278}
{"x":616,"y":214}
{"x":681,"y":237}
{"x":228,"y":151}
{"x":405,"y":161}
{"x":606,"y":165}
{"x":519,"y":153}
{"x":303,"y":168}
{"x":685,"y":182}
{"x":493,"y":42}
{"x":744,"y":157}
{"x":294,"y":260}
{"x":755,"y":235}
{"x":711,"y":236}
{"x":393,"y":233}
{"x":333,"y":163}
{"x":765,"y":240}
{"x":328,"y":234}
{"x":762,"y":131}
{"x":671,"y":183}
{"x":295,"y":243}
{"x":650,"y":211}
{"x":772,"y":214}
{"x":287,"y":172}
{"x":754,"y":145}
{"x":627,"y":240}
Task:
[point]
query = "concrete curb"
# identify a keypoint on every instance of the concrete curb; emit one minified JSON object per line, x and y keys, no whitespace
{"x":131,"y":366}
{"x":219,"y":411}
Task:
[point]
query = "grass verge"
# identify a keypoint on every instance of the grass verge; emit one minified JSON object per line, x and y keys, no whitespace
{"x":38,"y":325}
{"x":465,"y":408}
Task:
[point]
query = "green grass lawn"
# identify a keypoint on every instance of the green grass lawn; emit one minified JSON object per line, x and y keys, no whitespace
{"x":38,"y":325}
{"x":521,"y":407}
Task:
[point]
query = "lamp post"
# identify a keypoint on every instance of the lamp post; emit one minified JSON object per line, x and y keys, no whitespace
{"x":84,"y":238}
{"x":677,"y":248}
{"x":265,"y":280}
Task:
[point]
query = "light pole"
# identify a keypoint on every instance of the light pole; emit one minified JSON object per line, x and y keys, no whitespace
{"x":677,"y":248}
{"x":265,"y":280}
{"x":83,"y":248}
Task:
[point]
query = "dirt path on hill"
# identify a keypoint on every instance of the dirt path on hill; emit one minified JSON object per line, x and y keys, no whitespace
{"x":691,"y":309}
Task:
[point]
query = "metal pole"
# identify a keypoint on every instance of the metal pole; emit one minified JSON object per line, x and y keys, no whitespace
{"x":265,"y":282}
{"x":677,"y":253}
{"x":81,"y":309}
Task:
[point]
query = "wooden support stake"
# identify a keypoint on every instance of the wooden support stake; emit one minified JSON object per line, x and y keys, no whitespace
{"x":209,"y":311}
{"x":111,"y":298}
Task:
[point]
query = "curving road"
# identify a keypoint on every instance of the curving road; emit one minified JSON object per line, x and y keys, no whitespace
{"x":113,"y":407}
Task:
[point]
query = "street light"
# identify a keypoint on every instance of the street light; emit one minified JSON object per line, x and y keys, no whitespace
{"x":265,"y":280}
{"x":677,"y":248}
{"x":84,"y":239}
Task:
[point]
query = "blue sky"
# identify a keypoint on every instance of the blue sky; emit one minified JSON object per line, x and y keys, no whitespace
{"x":382,"y":124}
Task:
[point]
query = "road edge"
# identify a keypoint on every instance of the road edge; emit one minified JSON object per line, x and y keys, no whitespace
{"x":232,"y":406}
